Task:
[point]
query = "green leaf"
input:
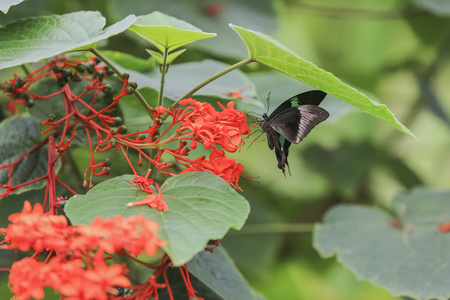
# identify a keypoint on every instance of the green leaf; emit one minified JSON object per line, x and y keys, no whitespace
{"x":437,"y":7}
{"x":166,"y":32}
{"x":202,"y":207}
{"x":172,"y":56}
{"x":156,"y":56}
{"x":6,"y":4}
{"x":18,"y":135}
{"x":406,"y":255}
{"x":217,"y":271}
{"x":33,"y":39}
{"x":271,"y":53}
{"x":124,"y":60}
{"x":182,"y":77}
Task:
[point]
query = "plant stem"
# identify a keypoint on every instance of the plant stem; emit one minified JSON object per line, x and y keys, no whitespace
{"x":214,"y":77}
{"x":163,"y":70}
{"x":274,"y":228}
{"x":27,"y":69}
{"x":113,"y":67}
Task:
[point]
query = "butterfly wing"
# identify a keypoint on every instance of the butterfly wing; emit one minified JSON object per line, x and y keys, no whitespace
{"x":291,"y":122}
{"x":296,"y":122}
{"x":314,"y":97}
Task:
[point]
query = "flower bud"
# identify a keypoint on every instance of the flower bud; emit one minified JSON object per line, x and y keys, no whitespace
{"x":51,"y":117}
{"x":61,"y":81}
{"x":123,"y":129}
{"x":107,"y":89}
{"x":81,"y":68}
{"x":76,"y":78}
{"x":117,"y":121}
{"x":56,"y":69}
{"x":108,"y":71}
{"x":107,"y":162}
{"x":8,"y":88}
{"x":90,"y":67}
{"x":30,"y":103}
{"x":66,"y":73}
{"x":129,"y":90}
{"x":19,"y":82}
{"x":24,"y":96}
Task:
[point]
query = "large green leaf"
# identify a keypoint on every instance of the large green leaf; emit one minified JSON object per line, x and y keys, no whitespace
{"x":33,"y":39}
{"x":217,"y":271}
{"x":271,"y":53}
{"x":407,"y":255}
{"x":18,"y":135}
{"x":167,"y":32}
{"x":203,"y":207}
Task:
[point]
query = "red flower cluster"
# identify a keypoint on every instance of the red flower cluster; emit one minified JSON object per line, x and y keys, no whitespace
{"x":70,"y":278}
{"x":79,"y":270}
{"x":209,"y":127}
{"x":222,"y":166}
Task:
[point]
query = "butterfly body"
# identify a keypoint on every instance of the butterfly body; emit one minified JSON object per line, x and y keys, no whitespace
{"x":291,"y":122}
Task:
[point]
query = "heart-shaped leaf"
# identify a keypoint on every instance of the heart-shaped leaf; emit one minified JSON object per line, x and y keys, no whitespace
{"x":407,"y":255}
{"x":166,"y":32}
{"x":202,"y":207}
{"x":271,"y":53}
{"x":33,"y":39}
{"x":18,"y":135}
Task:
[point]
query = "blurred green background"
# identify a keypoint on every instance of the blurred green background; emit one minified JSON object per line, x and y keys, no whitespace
{"x":395,"y":51}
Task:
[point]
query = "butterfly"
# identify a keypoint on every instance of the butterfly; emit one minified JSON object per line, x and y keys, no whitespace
{"x":291,"y":122}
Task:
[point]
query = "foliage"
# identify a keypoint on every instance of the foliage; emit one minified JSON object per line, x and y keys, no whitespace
{"x":128,"y":129}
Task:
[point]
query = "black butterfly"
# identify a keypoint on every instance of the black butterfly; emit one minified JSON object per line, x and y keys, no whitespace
{"x":291,"y":122}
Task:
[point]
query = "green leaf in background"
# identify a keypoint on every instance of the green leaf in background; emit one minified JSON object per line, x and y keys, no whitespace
{"x":408,"y":256}
{"x":265,"y":50}
{"x":182,"y":77}
{"x":437,"y":7}
{"x":6,"y":4}
{"x":218,"y":272}
{"x":33,"y":39}
{"x":166,"y":32}
{"x":18,"y":135}
{"x":202,"y":207}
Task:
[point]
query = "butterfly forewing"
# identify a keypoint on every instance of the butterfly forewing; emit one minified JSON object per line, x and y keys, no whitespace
{"x":311,"y":97}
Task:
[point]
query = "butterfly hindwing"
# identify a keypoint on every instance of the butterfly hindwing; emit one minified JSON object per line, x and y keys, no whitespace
{"x":296,"y":122}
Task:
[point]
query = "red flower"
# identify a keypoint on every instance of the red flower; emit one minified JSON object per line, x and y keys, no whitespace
{"x":153,"y":200}
{"x":32,"y":228}
{"x":219,"y":164}
{"x":27,"y":279}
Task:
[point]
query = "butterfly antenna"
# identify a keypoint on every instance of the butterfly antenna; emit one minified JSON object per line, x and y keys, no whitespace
{"x":268,"y":102}
{"x":251,"y":143}
{"x":252,"y":112}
